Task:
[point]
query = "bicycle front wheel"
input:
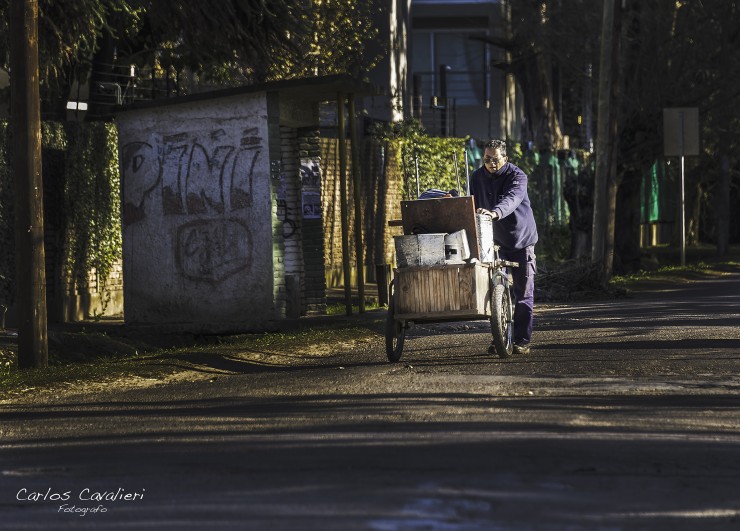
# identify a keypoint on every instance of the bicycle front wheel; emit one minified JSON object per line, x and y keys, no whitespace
{"x":502,"y":320}
{"x":395,"y":332}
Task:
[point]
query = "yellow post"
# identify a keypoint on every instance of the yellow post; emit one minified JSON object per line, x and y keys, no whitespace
{"x":343,"y":202}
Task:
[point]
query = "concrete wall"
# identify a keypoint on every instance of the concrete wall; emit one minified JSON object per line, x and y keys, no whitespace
{"x":198,"y":214}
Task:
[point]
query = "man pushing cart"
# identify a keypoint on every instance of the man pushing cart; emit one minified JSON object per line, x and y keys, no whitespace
{"x":450,"y":269}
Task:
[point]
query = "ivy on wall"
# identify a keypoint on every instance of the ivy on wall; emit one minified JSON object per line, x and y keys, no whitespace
{"x":82,"y":202}
{"x":91,"y":201}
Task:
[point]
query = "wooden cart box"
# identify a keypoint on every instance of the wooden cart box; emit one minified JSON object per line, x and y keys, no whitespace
{"x":443,"y":292}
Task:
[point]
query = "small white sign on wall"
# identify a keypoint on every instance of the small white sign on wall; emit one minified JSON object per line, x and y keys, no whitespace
{"x":311,"y":205}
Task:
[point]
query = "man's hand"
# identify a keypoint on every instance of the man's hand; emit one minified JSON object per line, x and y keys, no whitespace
{"x":484,"y":212}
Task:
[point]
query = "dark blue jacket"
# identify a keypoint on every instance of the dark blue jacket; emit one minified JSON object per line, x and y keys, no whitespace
{"x":505,"y":192}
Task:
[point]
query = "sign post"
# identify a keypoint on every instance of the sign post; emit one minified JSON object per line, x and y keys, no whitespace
{"x":681,"y":138}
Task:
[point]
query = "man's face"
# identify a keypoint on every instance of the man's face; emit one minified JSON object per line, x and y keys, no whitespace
{"x":493,"y":159}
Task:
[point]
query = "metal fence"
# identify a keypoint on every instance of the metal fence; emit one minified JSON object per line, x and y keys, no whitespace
{"x":437,"y":95}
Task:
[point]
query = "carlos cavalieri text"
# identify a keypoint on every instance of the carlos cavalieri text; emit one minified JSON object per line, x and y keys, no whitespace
{"x":85,"y":494}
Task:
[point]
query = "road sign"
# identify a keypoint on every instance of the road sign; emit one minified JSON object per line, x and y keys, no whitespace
{"x":681,"y":139}
{"x":681,"y":131}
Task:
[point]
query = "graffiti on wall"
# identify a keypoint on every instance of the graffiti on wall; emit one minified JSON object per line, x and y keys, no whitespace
{"x":284,"y":212}
{"x":212,"y":250}
{"x":195,"y":175}
{"x":204,"y":178}
{"x":285,"y":215}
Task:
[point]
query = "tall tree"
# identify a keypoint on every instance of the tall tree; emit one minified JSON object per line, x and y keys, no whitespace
{"x":531,"y":63}
{"x":220,"y":38}
{"x":552,"y":45}
{"x":605,"y":188}
{"x":725,"y":57}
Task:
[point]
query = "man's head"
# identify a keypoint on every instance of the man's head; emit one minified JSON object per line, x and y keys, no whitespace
{"x":494,"y":156}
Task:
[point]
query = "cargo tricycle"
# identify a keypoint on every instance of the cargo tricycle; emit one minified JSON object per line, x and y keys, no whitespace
{"x":466,"y":280}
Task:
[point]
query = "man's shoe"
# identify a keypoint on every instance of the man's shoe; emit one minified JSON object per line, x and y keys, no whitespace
{"x":521,"y":349}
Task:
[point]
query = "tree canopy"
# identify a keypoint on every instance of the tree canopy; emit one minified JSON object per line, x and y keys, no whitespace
{"x":197,"y":33}
{"x":224,"y":40}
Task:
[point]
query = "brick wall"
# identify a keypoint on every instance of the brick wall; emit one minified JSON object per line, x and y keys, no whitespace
{"x":381,"y":195}
{"x":385,"y":187}
{"x":307,"y":236}
{"x":314,"y":280}
{"x":87,"y":297}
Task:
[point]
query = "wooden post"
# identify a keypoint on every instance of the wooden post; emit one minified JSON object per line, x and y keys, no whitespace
{"x":343,"y":203}
{"x":359,"y":248}
{"x":25,"y":119}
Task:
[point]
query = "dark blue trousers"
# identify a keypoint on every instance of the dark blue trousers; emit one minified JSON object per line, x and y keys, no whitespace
{"x":523,"y":291}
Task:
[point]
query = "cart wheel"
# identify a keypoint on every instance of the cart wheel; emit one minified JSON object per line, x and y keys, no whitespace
{"x":502,"y":321}
{"x":395,"y":332}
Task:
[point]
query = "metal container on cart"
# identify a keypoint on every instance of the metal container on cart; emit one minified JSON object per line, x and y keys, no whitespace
{"x":420,"y":249}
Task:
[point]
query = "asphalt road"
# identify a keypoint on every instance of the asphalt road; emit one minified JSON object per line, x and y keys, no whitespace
{"x":626,"y":415}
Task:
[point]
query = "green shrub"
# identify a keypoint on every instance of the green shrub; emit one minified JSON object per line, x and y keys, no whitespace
{"x":435,"y":157}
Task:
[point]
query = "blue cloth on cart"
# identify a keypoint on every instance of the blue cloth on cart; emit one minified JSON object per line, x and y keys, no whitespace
{"x":435,"y":193}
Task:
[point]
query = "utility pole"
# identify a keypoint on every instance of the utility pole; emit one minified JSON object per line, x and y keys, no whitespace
{"x":25,"y":120}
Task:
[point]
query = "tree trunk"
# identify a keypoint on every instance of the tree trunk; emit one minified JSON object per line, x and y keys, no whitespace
{"x":722,"y":195}
{"x":578,"y":191}
{"x":694,"y":222}
{"x":627,"y":229}
{"x":541,"y":117}
{"x":605,"y":188}
{"x":722,"y":190}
